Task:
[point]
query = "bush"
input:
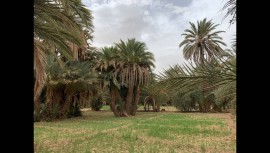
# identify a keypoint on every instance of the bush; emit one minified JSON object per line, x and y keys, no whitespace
{"x":45,"y":114}
{"x":183,"y":102}
{"x":96,"y":103}
{"x":188,"y":101}
{"x":74,"y":110}
{"x":56,"y":112}
{"x":225,"y":95}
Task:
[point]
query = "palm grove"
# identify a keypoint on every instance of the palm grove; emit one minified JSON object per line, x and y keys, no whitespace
{"x":71,"y":74}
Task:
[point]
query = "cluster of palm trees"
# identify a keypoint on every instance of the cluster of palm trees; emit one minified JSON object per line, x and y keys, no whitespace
{"x":71,"y":74}
{"x":208,"y":81}
{"x":127,"y":67}
{"x":61,"y":31}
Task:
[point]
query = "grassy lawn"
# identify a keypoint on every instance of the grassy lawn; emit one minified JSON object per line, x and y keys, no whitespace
{"x":148,"y":132}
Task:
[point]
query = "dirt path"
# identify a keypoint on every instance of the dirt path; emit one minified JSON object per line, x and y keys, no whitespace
{"x":231,"y":120}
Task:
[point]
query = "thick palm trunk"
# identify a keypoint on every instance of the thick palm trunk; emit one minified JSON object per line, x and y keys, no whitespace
{"x":126,"y":111}
{"x":118,"y":111}
{"x":144,"y":103}
{"x":112,"y":106}
{"x":68,"y":100}
{"x":113,"y":96}
{"x":154,"y":104}
{"x":127,"y":105}
{"x":49,"y":98}
{"x":136,"y":101}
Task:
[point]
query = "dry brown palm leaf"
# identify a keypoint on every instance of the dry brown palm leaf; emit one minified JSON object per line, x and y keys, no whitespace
{"x":79,"y":51}
{"x":39,"y":67}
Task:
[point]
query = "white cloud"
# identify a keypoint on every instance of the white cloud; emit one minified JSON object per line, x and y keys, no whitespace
{"x":159,"y":23}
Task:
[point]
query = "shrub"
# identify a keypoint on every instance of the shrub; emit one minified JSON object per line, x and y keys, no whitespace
{"x":96,"y":103}
{"x":56,"y":111}
{"x":74,"y":110}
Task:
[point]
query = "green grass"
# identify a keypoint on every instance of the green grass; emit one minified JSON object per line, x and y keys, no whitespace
{"x":147,"y":132}
{"x":106,"y":107}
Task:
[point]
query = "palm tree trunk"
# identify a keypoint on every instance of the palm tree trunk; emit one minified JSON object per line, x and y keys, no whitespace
{"x":136,"y":101}
{"x":113,"y":96}
{"x":127,"y":111}
{"x":128,"y":101}
{"x":68,"y":100}
{"x":144,"y":103}
{"x":49,"y":98}
{"x":154,"y":104}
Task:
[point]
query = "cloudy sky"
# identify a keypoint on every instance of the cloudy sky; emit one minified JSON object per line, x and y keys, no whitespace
{"x":158,"y":23}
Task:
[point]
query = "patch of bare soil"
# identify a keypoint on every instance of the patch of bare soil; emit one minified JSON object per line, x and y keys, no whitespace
{"x":85,"y":109}
{"x":232,"y":124}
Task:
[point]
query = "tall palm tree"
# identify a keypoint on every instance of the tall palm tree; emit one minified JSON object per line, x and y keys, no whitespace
{"x":127,"y":67}
{"x":135,"y":72}
{"x":61,"y":26}
{"x":107,"y":60}
{"x":202,"y":42}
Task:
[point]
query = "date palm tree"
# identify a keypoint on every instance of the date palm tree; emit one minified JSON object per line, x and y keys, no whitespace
{"x":135,"y":72}
{"x":68,"y":88}
{"x":127,"y":67}
{"x":107,"y":60}
{"x":201,"y":41}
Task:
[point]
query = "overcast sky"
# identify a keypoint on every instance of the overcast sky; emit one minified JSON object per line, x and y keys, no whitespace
{"x":158,"y":23}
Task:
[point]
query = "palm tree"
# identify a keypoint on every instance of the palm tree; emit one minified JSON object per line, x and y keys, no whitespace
{"x":107,"y":60}
{"x":127,"y":67}
{"x":60,"y":26}
{"x":202,"y":42}
{"x":135,"y":72}
{"x":68,"y":88}
{"x":154,"y":94}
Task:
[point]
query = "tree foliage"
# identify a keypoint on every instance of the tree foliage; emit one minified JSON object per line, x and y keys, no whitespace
{"x":60,"y":26}
{"x":212,"y":78}
{"x":127,"y":68}
{"x":202,"y":42}
{"x":230,"y":5}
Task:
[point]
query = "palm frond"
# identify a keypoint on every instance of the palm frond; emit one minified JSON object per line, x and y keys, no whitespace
{"x":40,"y":69}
